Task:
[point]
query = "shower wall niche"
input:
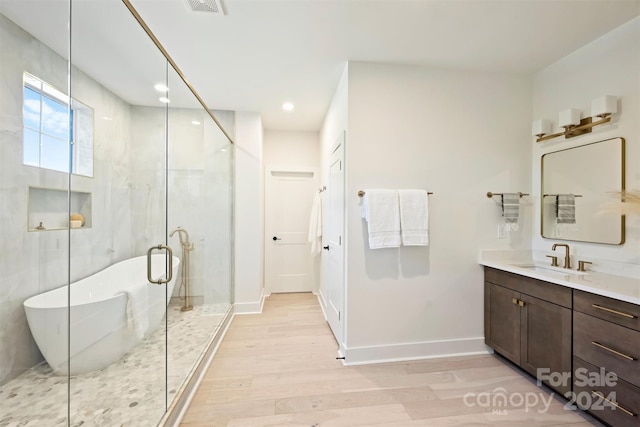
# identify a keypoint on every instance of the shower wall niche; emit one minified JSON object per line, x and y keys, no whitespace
{"x":48,"y":208}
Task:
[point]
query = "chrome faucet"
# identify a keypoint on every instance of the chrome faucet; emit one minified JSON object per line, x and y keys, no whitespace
{"x":567,"y":257}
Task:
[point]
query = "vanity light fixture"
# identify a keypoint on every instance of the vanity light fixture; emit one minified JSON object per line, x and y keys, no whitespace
{"x":569,"y":117}
{"x":601,"y":110}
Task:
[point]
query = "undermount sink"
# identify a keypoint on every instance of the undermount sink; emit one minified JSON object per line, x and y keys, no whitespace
{"x":548,"y":269}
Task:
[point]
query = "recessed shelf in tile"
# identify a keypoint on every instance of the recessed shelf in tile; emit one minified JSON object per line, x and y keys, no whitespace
{"x":51,"y":208}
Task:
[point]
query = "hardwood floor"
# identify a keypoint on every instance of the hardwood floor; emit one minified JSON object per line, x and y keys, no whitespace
{"x":279,"y":368}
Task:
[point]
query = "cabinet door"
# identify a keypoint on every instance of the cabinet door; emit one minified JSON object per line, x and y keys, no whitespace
{"x":502,"y":321}
{"x":546,"y":342}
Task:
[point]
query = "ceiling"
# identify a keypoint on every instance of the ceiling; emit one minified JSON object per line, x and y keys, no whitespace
{"x":261,"y":53}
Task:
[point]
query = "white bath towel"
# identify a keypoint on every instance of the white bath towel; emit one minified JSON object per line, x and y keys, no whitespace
{"x":414,"y":217}
{"x":380,"y":208}
{"x":137,"y":309}
{"x":315,"y":225}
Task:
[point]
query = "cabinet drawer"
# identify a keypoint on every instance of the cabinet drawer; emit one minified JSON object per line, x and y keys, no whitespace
{"x":557,"y":294}
{"x":607,"y":345}
{"x":591,"y":384}
{"x":620,"y":312}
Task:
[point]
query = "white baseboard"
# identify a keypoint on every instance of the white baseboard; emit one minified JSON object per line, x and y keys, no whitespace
{"x":413,"y":351}
{"x":322,"y":304}
{"x":249,"y":307}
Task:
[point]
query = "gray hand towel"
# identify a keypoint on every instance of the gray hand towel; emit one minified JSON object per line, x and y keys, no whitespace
{"x":511,"y":210}
{"x":566,"y":209}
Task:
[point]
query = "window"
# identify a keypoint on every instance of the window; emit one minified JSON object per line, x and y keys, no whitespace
{"x":56,"y":137}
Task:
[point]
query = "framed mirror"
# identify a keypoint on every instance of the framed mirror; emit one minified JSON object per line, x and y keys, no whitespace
{"x":577,"y":186}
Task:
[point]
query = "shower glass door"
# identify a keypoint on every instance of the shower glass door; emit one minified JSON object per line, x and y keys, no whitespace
{"x":200,"y":226}
{"x":34,"y":266}
{"x":106,"y":154}
{"x":118,"y":335}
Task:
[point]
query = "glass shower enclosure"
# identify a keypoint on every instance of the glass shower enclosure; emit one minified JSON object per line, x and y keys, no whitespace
{"x":116,"y":200}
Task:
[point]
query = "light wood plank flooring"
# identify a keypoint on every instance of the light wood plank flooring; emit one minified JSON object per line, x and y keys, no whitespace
{"x":279,"y":368}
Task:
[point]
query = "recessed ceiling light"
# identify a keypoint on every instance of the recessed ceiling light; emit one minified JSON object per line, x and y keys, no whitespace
{"x":164,"y":99}
{"x":161,"y":88}
{"x":288,"y":106}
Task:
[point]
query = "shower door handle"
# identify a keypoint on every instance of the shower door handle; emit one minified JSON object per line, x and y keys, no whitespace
{"x":170,"y":273}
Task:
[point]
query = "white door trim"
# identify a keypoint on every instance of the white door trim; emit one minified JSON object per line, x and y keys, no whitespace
{"x":269,"y":171}
{"x":336,"y":315}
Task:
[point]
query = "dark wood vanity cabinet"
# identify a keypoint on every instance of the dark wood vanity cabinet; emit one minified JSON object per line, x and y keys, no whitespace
{"x":528,"y":321}
{"x":596,"y":340}
{"x":606,"y":347}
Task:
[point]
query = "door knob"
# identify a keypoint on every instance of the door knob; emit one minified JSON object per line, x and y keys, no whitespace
{"x":276,"y":238}
{"x":326,"y":247}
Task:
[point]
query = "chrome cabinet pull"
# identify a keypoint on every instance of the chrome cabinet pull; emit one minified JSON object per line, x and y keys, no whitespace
{"x":597,"y":344}
{"x":601,"y":396}
{"x":609,"y":310}
{"x":170,"y":273}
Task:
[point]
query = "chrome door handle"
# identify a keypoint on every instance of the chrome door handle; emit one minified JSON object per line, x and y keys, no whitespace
{"x":170,"y":273}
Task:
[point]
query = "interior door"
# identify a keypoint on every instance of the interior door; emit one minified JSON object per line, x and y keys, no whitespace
{"x":288,"y":261}
{"x":334,"y":243}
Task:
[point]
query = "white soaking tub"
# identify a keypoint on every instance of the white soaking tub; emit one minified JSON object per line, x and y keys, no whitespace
{"x":110,"y":312}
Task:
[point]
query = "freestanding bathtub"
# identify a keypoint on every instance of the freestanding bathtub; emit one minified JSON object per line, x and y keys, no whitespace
{"x":103,"y":325}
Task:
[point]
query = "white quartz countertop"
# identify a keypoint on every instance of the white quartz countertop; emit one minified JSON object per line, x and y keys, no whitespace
{"x":608,"y":285}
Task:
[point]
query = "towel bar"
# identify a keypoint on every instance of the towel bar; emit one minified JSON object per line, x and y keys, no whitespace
{"x":554,"y":195}
{"x":362,"y":193}
{"x":490,"y":194}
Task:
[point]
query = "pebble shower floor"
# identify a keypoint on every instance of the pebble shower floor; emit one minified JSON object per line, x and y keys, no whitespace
{"x":129,"y":392}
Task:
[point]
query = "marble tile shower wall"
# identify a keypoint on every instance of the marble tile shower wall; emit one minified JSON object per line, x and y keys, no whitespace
{"x":200,"y":194}
{"x":33,"y":262}
{"x":128,"y":211}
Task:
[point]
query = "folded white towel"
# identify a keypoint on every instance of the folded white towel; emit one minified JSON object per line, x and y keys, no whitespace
{"x":381,"y":210}
{"x":315,"y":225}
{"x":511,"y":210}
{"x":414,"y":217}
{"x":137,"y":309}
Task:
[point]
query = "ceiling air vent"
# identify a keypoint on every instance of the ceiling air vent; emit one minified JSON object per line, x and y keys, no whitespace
{"x":212,"y":6}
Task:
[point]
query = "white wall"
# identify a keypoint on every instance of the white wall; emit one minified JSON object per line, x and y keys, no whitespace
{"x":335,"y":122}
{"x":608,"y":66}
{"x":290,"y":148}
{"x":458,"y":134}
{"x":249,"y":213}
